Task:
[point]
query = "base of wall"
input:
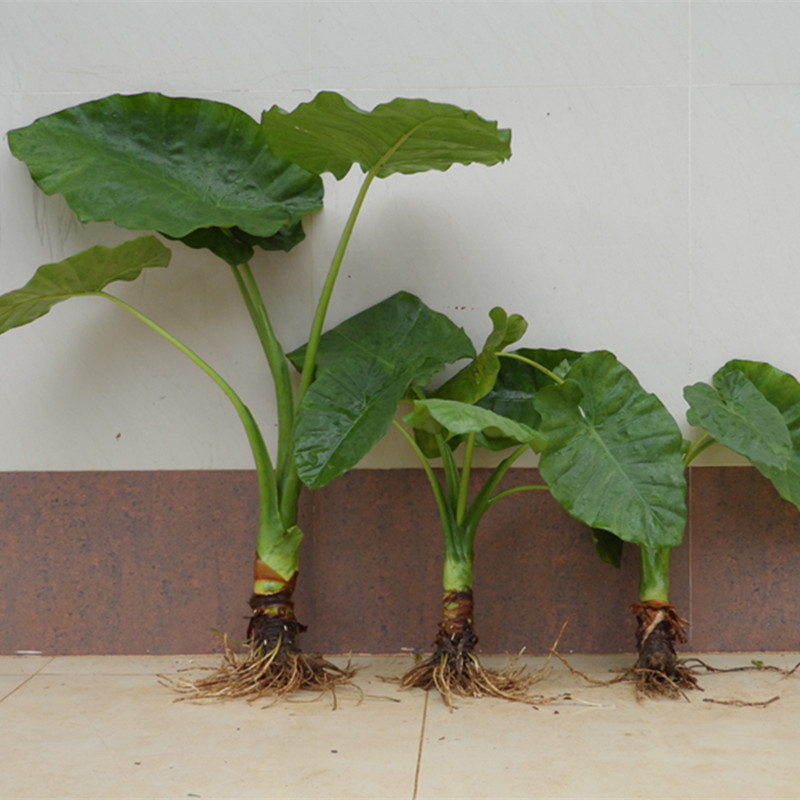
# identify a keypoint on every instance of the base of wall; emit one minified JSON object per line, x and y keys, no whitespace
{"x":153,"y":562}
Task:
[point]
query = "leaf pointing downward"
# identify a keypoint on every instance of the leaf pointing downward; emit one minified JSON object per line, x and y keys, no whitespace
{"x":613,"y":458}
{"x":365,"y":365}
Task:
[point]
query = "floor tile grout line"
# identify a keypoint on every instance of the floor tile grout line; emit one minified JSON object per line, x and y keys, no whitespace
{"x":421,"y":743}
{"x":27,"y":680}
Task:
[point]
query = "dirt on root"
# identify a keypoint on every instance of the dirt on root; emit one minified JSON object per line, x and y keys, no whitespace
{"x":269,"y":665}
{"x":454,"y":670}
{"x":658,"y":670}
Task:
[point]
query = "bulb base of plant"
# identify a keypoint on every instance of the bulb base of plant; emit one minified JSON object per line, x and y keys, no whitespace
{"x":454,"y":670}
{"x":658,"y":670}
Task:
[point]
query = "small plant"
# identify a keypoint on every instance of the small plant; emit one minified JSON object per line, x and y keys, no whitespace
{"x":210,"y":176}
{"x":615,"y":459}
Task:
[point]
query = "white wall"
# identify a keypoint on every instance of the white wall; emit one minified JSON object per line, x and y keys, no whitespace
{"x":651,"y":205}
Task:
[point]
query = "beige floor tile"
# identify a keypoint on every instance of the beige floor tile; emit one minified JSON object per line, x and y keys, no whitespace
{"x":80,"y":735}
{"x":102,"y":727}
{"x":9,"y":684}
{"x":126,"y":665}
{"x":605,"y":744}
{"x":23,"y":665}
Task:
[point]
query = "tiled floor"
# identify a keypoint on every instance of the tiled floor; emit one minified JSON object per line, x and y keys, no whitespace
{"x":102,"y":727}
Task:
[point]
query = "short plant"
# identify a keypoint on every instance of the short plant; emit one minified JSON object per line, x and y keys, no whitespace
{"x":616,"y":460}
{"x":210,"y":176}
{"x":613,"y":459}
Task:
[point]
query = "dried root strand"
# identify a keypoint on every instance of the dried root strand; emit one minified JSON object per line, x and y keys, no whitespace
{"x":256,"y":674}
{"x":752,"y":667}
{"x":454,"y":670}
{"x":743,"y":703}
{"x":657,"y":683}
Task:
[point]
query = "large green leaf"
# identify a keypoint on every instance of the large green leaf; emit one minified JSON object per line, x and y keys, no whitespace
{"x":330,"y":134}
{"x":451,"y":418}
{"x":738,"y":415}
{"x":613,"y":458}
{"x":518,"y":382}
{"x":169,"y":164}
{"x":364,"y":367}
{"x":86,"y":273}
{"x":782,"y":391}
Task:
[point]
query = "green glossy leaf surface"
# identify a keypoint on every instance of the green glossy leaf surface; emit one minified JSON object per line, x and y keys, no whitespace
{"x":613,"y":458}
{"x":151,"y":162}
{"x":781,"y":390}
{"x":738,"y":415}
{"x":365,"y":366}
{"x":330,"y":134}
{"x":86,"y":273}
{"x":452,"y":418}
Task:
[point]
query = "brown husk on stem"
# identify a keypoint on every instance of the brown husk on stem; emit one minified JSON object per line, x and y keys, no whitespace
{"x":271,"y":665}
{"x":658,"y":671}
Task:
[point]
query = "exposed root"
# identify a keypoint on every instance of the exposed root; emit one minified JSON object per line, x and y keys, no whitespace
{"x":584,"y":676}
{"x":272,"y":665}
{"x":755,"y":666}
{"x":743,"y":703}
{"x":455,"y":671}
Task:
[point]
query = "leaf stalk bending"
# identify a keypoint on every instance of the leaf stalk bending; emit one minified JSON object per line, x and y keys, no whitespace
{"x":703,"y":443}
{"x":270,"y":521}
{"x":531,"y":363}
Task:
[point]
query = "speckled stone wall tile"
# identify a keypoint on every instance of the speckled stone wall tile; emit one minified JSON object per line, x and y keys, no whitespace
{"x":154,"y":562}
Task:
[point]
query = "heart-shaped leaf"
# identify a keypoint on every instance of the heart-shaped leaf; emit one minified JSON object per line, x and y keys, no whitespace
{"x":782,"y":391}
{"x":86,"y":273}
{"x":365,"y":366}
{"x":738,"y":415}
{"x":169,"y":164}
{"x":613,"y":458}
{"x":330,"y":134}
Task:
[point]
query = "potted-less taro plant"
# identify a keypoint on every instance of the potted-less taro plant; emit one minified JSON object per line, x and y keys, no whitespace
{"x":440,"y":421}
{"x":615,"y":459}
{"x":208,"y":175}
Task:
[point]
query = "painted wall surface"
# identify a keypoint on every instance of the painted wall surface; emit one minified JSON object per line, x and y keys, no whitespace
{"x":650,"y":207}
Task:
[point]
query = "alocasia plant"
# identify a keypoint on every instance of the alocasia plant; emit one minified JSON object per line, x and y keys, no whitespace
{"x":207,"y":174}
{"x":613,"y":460}
{"x":440,"y":421}
{"x":616,"y":460}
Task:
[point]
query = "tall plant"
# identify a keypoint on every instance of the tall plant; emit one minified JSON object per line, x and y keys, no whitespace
{"x":210,"y":176}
